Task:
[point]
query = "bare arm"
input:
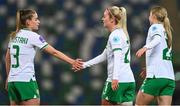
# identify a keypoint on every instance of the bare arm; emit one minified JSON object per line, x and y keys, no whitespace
{"x":51,"y":50}
{"x":7,"y":61}
{"x":75,"y":63}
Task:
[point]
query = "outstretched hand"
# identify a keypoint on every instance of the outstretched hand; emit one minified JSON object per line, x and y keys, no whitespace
{"x":141,"y":51}
{"x":77,"y":65}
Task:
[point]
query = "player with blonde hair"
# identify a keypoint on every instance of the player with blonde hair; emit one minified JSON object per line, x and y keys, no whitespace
{"x":119,"y":87}
{"x":21,"y":82}
{"x":159,"y":82}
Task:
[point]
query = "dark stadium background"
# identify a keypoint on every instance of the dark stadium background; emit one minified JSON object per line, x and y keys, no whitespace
{"x":75,"y":28}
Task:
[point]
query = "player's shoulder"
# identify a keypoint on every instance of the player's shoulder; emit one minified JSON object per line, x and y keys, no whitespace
{"x":116,"y":35}
{"x":155,"y":27}
{"x":29,"y":32}
{"x":117,"y":32}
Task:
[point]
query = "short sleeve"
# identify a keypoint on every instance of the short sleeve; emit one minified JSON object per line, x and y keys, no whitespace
{"x":38,"y":41}
{"x":115,"y":41}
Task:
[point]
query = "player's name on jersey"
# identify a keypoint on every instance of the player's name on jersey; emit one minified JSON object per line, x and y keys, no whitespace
{"x":20,"y":40}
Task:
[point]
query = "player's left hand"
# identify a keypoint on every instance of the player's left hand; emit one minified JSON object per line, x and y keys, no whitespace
{"x":141,"y":51}
{"x":115,"y":84}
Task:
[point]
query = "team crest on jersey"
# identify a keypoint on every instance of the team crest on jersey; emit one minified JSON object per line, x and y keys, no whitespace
{"x":116,"y":39}
{"x":154,"y":28}
{"x":42,"y":39}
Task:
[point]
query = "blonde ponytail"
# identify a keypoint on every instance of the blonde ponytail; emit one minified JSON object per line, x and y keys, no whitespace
{"x":162,"y":16}
{"x":168,"y":29}
{"x":18,"y":25}
{"x":123,"y":21}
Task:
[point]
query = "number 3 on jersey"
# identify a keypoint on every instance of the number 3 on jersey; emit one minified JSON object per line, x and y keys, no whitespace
{"x":16,"y":56}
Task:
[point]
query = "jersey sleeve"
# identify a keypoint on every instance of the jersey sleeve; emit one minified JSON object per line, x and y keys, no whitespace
{"x":38,"y":41}
{"x":100,"y":58}
{"x":155,"y":31}
{"x":155,"y":41}
{"x":155,"y":35}
{"x":115,"y":41}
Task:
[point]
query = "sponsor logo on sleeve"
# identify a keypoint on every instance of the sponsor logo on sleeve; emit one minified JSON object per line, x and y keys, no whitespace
{"x":42,"y":39}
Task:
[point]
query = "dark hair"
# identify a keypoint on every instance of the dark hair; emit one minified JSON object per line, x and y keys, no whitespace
{"x":21,"y":17}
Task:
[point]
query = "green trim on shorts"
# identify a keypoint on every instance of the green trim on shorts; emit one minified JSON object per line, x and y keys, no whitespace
{"x":125,"y":92}
{"x":158,"y":86}
{"x":21,"y":91}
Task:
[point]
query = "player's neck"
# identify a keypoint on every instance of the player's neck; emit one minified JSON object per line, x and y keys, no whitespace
{"x":114,"y":28}
{"x":27,"y":29}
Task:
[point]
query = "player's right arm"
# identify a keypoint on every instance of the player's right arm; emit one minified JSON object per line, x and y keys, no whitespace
{"x":155,"y":34}
{"x":39,"y":41}
{"x":100,"y":58}
{"x":51,"y":50}
{"x":75,"y":63}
